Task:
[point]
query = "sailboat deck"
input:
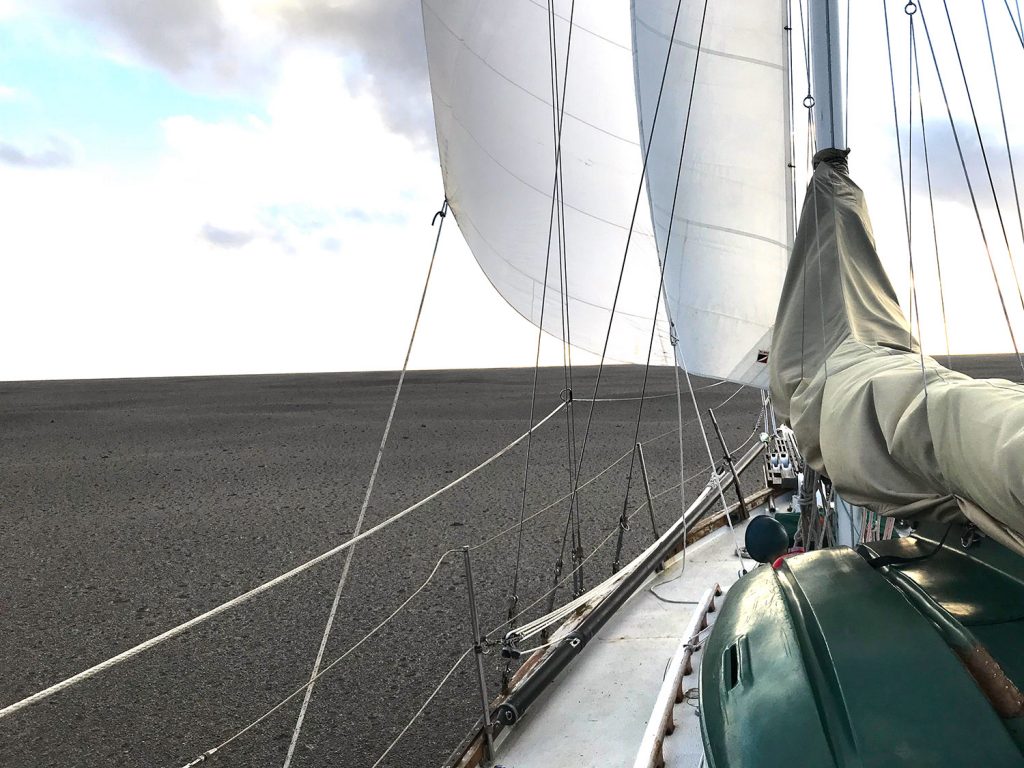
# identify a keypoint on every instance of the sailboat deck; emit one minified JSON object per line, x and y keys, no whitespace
{"x":598,"y":712}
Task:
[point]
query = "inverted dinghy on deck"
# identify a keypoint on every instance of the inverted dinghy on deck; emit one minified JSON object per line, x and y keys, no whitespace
{"x":823,"y":662}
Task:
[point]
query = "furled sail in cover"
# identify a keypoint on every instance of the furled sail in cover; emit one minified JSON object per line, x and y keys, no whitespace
{"x":902,"y":437}
{"x":490,"y":76}
{"x":731,"y":232}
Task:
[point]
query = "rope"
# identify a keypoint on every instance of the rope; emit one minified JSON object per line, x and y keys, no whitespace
{"x":246,"y":596}
{"x":557,"y":120}
{"x":210,"y":752}
{"x":682,"y":460}
{"x":305,"y":687}
{"x":661,"y":280}
{"x":369,"y":493}
{"x":647,"y":397}
{"x":552,"y":617}
{"x":623,"y":457}
{"x":711,"y":459}
{"x":625,"y":254}
{"x":425,"y":704}
{"x":573,"y":517}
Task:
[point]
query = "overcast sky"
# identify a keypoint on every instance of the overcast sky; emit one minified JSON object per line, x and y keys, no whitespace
{"x":236,"y":186}
{"x":201,"y":187}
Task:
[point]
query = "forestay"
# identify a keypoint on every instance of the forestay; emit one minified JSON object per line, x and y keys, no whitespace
{"x":731,"y":228}
{"x":491,"y":79}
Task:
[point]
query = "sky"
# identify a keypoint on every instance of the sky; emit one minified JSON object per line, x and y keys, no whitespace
{"x":247,"y":186}
{"x":204,"y":187}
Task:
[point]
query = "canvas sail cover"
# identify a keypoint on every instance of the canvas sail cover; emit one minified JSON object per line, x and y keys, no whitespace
{"x":895,"y":432}
{"x":491,"y":81}
{"x":725,"y":261}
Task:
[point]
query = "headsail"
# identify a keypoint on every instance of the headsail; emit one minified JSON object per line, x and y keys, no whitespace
{"x":491,"y":79}
{"x":894,"y":430}
{"x":731,"y":228}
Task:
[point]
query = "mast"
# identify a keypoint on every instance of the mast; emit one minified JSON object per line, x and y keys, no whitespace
{"x":826,"y":74}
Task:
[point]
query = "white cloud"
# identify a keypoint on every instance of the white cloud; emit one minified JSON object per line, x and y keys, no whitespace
{"x":54,"y":152}
{"x":239,"y":44}
{"x":115,"y":272}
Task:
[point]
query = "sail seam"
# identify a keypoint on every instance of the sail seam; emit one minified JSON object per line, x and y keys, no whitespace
{"x":518,"y":86}
{"x":710,"y":51}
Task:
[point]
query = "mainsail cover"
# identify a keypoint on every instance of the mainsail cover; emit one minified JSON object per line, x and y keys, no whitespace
{"x":731,"y":229}
{"x":491,"y":81}
{"x":895,"y":431}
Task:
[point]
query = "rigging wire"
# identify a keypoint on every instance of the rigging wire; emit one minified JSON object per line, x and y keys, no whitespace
{"x":714,"y":478}
{"x":563,"y":280}
{"x":266,"y":586}
{"x":1018,"y":23}
{"x":556,"y":107}
{"x":648,"y":397}
{"x":423,"y":707}
{"x":624,"y":457}
{"x":791,"y":162}
{"x":914,"y":308}
{"x":984,"y":157}
{"x":931,"y":205}
{"x":324,"y":670}
{"x":661,"y":281}
{"x":1002,"y":118}
{"x":320,"y":673}
{"x":899,"y":157}
{"x":970,"y":189}
{"x":552,"y":617}
{"x":682,"y":458}
{"x":625,"y":254}
{"x":346,"y":566}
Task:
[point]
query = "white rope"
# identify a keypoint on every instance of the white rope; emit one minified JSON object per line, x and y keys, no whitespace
{"x":646,"y":397}
{"x":426,"y":703}
{"x":534,"y":627}
{"x":245,"y":597}
{"x":682,"y":462}
{"x":343,"y":579}
{"x":623,"y":457}
{"x":212,"y":751}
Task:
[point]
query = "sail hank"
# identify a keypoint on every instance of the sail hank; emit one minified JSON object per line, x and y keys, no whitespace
{"x":895,"y":431}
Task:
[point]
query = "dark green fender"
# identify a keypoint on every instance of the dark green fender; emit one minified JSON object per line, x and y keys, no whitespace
{"x":826,"y":662}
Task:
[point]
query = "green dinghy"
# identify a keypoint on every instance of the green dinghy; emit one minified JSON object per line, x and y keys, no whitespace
{"x":871,"y":658}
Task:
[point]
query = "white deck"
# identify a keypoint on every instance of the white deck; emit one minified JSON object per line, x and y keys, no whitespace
{"x":597,"y":712}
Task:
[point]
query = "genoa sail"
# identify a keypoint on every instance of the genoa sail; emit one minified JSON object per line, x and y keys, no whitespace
{"x":722,"y":213}
{"x":895,"y":431}
{"x":491,"y":65}
{"x":491,"y":73}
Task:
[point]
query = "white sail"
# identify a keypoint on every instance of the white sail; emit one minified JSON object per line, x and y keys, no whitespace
{"x":490,"y":76}
{"x":731,"y":233}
